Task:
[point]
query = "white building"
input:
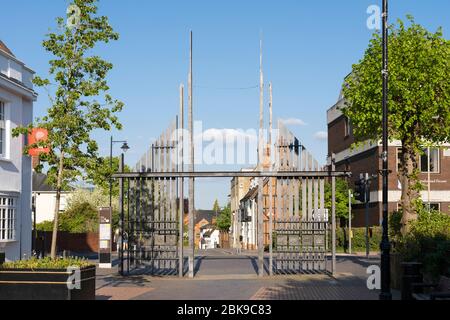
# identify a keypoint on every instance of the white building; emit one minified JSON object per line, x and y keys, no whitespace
{"x":16,"y":109}
{"x":44,"y":199}
{"x":209,"y":237}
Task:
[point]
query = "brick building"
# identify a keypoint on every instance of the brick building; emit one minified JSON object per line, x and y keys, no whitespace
{"x":366,"y":158}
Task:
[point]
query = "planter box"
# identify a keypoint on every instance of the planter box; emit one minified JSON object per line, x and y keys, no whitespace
{"x":38,"y":284}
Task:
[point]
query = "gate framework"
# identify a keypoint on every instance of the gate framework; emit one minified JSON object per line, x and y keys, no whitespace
{"x":154,"y":243}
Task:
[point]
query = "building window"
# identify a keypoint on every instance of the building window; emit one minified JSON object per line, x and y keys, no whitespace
{"x":2,"y":130}
{"x":348,"y":127}
{"x":435,"y":206}
{"x":399,"y":158}
{"x":431,"y":160}
{"x":7,"y":218}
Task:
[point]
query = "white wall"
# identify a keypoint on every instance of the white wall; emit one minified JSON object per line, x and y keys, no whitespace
{"x":15,"y":168}
{"x":45,"y":205}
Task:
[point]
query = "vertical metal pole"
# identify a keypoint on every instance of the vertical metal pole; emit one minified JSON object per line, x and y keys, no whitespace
{"x":111,"y":168}
{"x":385,"y":245}
{"x":122,"y":213}
{"x":367,"y":201}
{"x":333,"y":216}
{"x":260,"y":165}
{"x":350,"y":221}
{"x":128,"y":228}
{"x":429,"y":178}
{"x":270,"y":183}
{"x":191,"y":180}
{"x":181,"y":169}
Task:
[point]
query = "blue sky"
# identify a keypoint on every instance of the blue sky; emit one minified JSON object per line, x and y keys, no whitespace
{"x":309,"y":46}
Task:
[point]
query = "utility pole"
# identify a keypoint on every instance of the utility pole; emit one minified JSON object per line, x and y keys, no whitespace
{"x":385,"y":244}
{"x":260,"y":167}
{"x":191,"y":166}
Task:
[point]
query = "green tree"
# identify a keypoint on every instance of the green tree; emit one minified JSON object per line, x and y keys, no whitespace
{"x":80,"y":102}
{"x":100,"y":175}
{"x":341,"y":198}
{"x":224,"y":219}
{"x":341,"y":204}
{"x":216,"y":206}
{"x":418,"y":99}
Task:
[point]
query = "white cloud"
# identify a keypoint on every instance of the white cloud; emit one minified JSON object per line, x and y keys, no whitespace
{"x":293,"y":122}
{"x":321,"y":135}
{"x":228,"y":135}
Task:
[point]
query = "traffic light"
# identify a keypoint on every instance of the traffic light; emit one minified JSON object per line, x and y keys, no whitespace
{"x":360,"y":190}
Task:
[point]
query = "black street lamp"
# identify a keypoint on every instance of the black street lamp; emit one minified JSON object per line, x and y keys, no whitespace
{"x":124,"y":148}
{"x":385,"y":244}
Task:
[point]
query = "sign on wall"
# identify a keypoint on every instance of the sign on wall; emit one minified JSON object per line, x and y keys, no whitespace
{"x":38,"y":135}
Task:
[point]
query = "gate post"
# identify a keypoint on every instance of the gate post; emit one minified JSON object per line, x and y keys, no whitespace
{"x":333,"y":215}
{"x":191,"y":166}
{"x":122,"y":214}
{"x":181,"y":182}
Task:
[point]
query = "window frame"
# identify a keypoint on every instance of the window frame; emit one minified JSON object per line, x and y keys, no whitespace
{"x":8,"y":218}
{"x":347,"y":127}
{"x":398,"y":151}
{"x":438,"y":161}
{"x":6,"y":138}
{"x":2,"y":129}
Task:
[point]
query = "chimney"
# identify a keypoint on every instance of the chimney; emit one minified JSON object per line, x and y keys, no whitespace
{"x":35,"y":162}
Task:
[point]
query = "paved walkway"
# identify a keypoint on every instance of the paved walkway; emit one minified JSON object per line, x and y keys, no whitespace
{"x":220,"y":275}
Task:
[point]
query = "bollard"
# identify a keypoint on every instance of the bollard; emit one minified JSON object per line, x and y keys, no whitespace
{"x":411,"y":274}
{"x":2,"y":258}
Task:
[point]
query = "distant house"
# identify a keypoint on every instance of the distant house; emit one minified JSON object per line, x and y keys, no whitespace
{"x":209,"y":237}
{"x":44,"y":199}
{"x":16,"y":109}
{"x":202,"y":218}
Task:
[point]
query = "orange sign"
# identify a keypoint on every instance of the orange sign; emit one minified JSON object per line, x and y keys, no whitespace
{"x":38,"y":135}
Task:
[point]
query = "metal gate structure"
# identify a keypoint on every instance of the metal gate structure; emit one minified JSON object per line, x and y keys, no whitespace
{"x":301,"y":220}
{"x":152,"y":202}
{"x":150,"y":212}
{"x":153,"y":214}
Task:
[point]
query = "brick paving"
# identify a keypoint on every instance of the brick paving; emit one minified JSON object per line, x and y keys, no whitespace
{"x":299,"y":292}
{"x":223,"y":276}
{"x":121,"y":293}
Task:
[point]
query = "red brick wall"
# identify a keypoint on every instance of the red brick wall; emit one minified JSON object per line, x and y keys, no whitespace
{"x":337,"y":141}
{"x":75,"y":242}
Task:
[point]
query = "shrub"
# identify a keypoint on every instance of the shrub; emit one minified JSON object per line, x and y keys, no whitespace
{"x":47,"y":263}
{"x":45,"y":226}
{"x":79,"y":218}
{"x":358,"y":240}
{"x":428,"y":242}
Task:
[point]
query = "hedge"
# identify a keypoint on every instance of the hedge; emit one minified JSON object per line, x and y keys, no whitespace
{"x":358,"y":240}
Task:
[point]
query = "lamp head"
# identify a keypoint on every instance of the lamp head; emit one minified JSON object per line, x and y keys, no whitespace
{"x":125,"y":147}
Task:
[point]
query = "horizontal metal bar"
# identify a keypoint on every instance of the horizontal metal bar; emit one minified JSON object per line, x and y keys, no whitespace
{"x":232,"y":174}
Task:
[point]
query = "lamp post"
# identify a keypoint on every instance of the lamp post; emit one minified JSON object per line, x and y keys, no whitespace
{"x":124,"y":148}
{"x":385,"y":244}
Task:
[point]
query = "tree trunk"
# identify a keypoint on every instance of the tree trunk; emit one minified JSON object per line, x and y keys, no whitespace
{"x":408,"y":180}
{"x":57,"y":204}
